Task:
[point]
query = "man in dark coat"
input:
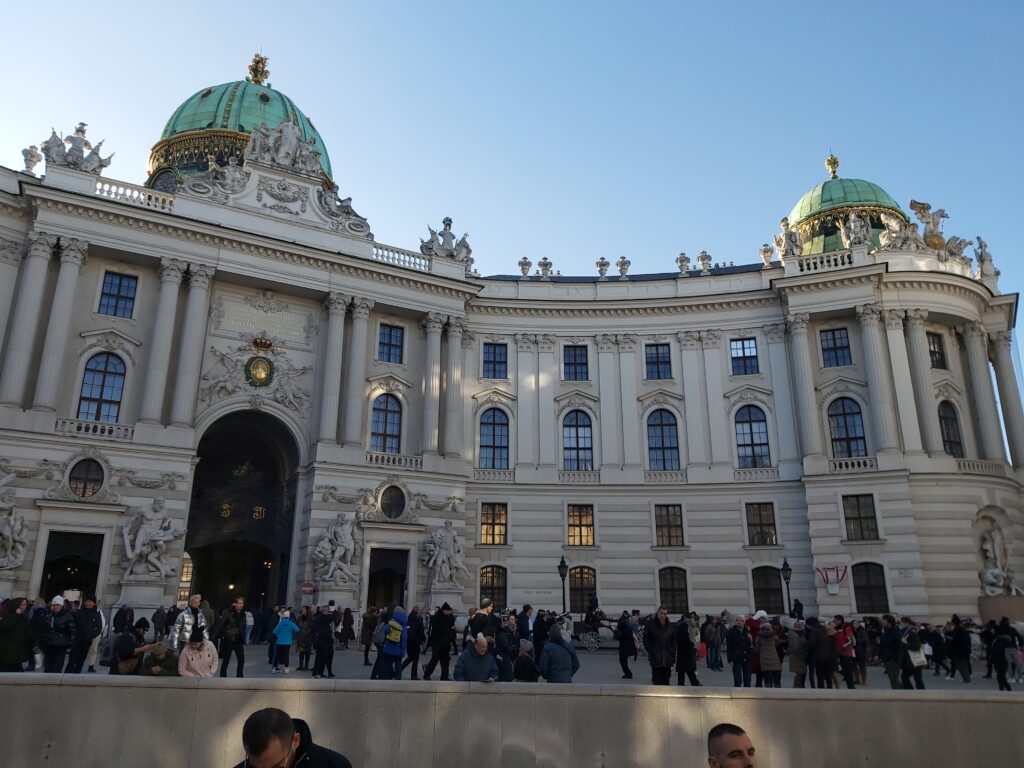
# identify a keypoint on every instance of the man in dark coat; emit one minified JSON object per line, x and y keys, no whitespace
{"x":960,"y":651}
{"x":323,"y":642}
{"x":627,"y":645}
{"x":890,"y":650}
{"x":229,"y":631}
{"x":441,"y":642}
{"x":559,"y":662}
{"x":57,"y":636}
{"x":523,"y":623}
{"x":414,"y":640}
{"x":88,"y":625}
{"x":271,"y":738}
{"x":686,"y":654}
{"x":130,"y":648}
{"x":660,"y":644}
{"x":481,"y":622}
{"x":739,"y":650}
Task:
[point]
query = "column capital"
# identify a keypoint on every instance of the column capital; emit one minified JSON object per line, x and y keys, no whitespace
{"x":915,"y":317}
{"x":172,"y":270}
{"x":605,"y":342}
{"x":41,"y":244}
{"x":796,"y":322}
{"x":456,"y":327}
{"x":711,"y":338}
{"x":432,"y":322}
{"x":1001,"y":339}
{"x":361,"y":307}
{"x":546,"y":342}
{"x":73,"y":252}
{"x":468,"y":338}
{"x":525,"y":341}
{"x":336,"y":303}
{"x":868,"y":313}
{"x":774,"y":331}
{"x":627,"y":342}
{"x":974,"y":331}
{"x":689,"y":339}
{"x":894,"y":319}
{"x":200,"y":275}
{"x":10,"y":251}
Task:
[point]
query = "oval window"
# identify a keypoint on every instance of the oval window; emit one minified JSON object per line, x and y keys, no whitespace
{"x":392,"y":502}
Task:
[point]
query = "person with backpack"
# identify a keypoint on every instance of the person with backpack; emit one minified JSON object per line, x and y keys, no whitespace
{"x":558,"y":661}
{"x":396,"y":637}
{"x":88,"y":625}
{"x":284,"y":631}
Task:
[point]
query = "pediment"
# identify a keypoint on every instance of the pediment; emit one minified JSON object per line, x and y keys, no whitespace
{"x":836,"y":382}
{"x":494,"y":396}
{"x":947,"y":389}
{"x":110,"y":339}
{"x":111,"y":332}
{"x":748,"y":393}
{"x":573,"y":394}
{"x":658,"y":398}
{"x":576,"y":398}
{"x":388,"y":382}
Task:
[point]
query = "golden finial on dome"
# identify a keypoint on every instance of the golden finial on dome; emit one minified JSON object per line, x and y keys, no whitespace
{"x":832,"y":164}
{"x":258,"y":71}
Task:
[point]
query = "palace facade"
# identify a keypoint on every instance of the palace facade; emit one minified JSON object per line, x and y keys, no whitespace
{"x":221,"y":381}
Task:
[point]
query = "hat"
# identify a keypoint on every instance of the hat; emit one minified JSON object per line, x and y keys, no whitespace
{"x":57,"y":600}
{"x":486,"y":602}
{"x":142,"y":623}
{"x":197,"y":635}
{"x":525,"y":646}
{"x":555,"y":633}
{"x":760,"y":615}
{"x":445,"y":607}
{"x":91,"y":597}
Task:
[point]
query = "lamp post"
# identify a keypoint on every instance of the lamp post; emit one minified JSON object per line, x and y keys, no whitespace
{"x":563,"y":571}
{"x":787,"y":574}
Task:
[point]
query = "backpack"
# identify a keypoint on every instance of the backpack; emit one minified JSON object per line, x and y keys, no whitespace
{"x":380,"y":633}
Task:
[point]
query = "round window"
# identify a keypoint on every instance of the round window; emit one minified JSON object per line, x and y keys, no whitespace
{"x":86,"y":478}
{"x":264,"y":98}
{"x":392,"y":502}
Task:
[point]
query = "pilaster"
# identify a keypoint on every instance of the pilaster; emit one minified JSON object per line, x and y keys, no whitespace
{"x":433,"y":324}
{"x":158,"y":365}
{"x":336,"y":305}
{"x":197,"y":309}
{"x":355,"y":378}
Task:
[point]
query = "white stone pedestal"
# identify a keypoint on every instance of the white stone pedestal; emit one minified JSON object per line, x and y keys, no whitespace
{"x":447,"y":593}
{"x":7,"y":579}
{"x":343,"y":595}
{"x":142,"y":592}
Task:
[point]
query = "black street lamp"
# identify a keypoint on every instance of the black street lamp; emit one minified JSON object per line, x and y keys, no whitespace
{"x":563,"y":571}
{"x":787,"y":574}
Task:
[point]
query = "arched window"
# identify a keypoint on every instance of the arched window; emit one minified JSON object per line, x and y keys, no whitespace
{"x":752,"y":438}
{"x":102,"y":386}
{"x":86,"y":478}
{"x":662,"y":441}
{"x":386,"y":435}
{"x":582,"y":586}
{"x":846,"y":426}
{"x":577,"y":442}
{"x":869,"y":588}
{"x":949,"y":424}
{"x":768,"y":590}
{"x":494,"y":585}
{"x":494,"y":439}
{"x":672,"y":589}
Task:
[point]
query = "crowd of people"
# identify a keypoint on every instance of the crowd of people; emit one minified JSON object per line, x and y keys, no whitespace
{"x":499,"y":646}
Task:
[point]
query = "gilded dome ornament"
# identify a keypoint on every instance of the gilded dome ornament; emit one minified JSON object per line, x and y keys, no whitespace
{"x":832,"y":166}
{"x":258,"y":72}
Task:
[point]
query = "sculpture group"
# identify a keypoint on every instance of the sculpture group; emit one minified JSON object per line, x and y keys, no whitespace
{"x":996,"y":576}
{"x":444,"y":556}
{"x":333,"y":554}
{"x":13,"y":539}
{"x":443,"y":244}
{"x":284,"y":146}
{"x":74,"y":156}
{"x":146,"y":537}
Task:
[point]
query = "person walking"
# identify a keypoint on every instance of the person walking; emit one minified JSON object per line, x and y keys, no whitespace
{"x":890,"y":651}
{"x":414,"y":639}
{"x":250,"y":623}
{"x":524,"y":623}
{"x":441,"y":642}
{"x":712,"y":636}
{"x":686,"y":653}
{"x":960,"y":651}
{"x":347,"y":628}
{"x":911,"y":642}
{"x":199,"y":656}
{"x":627,"y":644}
{"x":14,"y":645}
{"x":190,"y":618}
{"x":1003,"y":645}
{"x":660,"y":644}
{"x":322,"y":636}
{"x":819,"y":652}
{"x":394,"y":644}
{"x":273,"y":616}
{"x":159,"y":621}
{"x":284,"y":633}
{"x":766,"y":647}
{"x":845,"y":648}
{"x":860,"y":653}
{"x":88,"y":625}
{"x":366,"y":633}
{"x":558,"y":662}
{"x":739,"y":650}
{"x":58,"y":636}
{"x":304,"y":639}
{"x":230,"y":633}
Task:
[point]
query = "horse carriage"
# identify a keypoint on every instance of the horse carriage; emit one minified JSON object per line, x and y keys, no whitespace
{"x":592,"y":634}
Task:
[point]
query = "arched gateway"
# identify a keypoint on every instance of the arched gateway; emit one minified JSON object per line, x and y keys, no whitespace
{"x":241,"y":510}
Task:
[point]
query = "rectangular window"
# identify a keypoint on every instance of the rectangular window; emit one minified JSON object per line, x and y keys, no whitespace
{"x":494,"y":524}
{"x":835,"y":348}
{"x":389,"y":343}
{"x":761,"y":525}
{"x":861,"y":524}
{"x":937,"y":351}
{"x":118,"y":296}
{"x":575,"y":363}
{"x":495,"y":361}
{"x":744,"y":356}
{"x":668,"y":525}
{"x":581,"y":525}
{"x":659,"y":361}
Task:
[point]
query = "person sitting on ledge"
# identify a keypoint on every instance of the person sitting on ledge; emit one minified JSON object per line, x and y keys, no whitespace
{"x":475,"y":664}
{"x":272,"y":739}
{"x":198,"y":658}
{"x":730,"y":747}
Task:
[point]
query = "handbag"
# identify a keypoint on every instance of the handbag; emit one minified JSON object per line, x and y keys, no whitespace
{"x":128,"y":666}
{"x":702,"y":650}
{"x":918,"y":659}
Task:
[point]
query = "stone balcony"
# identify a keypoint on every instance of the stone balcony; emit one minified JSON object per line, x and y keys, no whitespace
{"x":980,"y":467}
{"x":394,"y":460}
{"x":94,"y":430}
{"x":847,"y":466}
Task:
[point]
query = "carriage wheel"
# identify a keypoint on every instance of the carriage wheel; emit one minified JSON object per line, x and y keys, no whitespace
{"x":591,"y":641}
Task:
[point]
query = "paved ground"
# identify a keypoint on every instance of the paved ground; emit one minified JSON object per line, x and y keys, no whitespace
{"x":598,"y":667}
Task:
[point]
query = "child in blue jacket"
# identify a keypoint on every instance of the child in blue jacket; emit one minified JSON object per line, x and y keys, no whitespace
{"x":283,"y":633}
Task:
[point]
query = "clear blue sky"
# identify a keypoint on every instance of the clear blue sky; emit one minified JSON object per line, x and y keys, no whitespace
{"x":572,"y":130}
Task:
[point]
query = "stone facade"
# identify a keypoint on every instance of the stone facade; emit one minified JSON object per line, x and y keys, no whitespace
{"x":754,"y":371}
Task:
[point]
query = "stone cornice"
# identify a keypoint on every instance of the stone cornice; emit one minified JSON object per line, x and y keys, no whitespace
{"x":245,"y":243}
{"x":637,"y":308}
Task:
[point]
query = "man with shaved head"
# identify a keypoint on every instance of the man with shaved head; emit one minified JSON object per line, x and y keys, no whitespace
{"x":730,"y":747}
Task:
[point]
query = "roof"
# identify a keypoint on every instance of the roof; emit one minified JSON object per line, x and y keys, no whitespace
{"x":841,"y":193}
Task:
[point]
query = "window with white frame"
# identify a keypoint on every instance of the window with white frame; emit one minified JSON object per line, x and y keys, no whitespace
{"x":744,"y":356}
{"x":662,"y":441}
{"x":493,"y":439}
{"x":859,"y":514}
{"x":761,"y":530}
{"x":577,"y":442}
{"x":495,"y":361}
{"x":117,"y":297}
{"x":668,"y":525}
{"x":581,"y":525}
{"x":493,"y":523}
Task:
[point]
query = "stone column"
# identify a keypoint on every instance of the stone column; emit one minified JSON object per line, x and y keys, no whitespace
{"x":432,"y":382}
{"x":879,"y":375}
{"x":527,"y":428}
{"x":718,"y":427}
{"x":336,"y":305}
{"x":611,"y":439}
{"x":25,"y":319}
{"x":355,"y":379}
{"x":158,"y":366}
{"x":982,"y":392}
{"x":906,"y":402}
{"x":547,"y":375}
{"x":921,"y":376}
{"x":785,"y":419}
{"x":453,"y":389}
{"x":1009,"y":395}
{"x":631,"y":438}
{"x":803,"y":384}
{"x":466,"y":435}
{"x":10,"y":261}
{"x":72,"y":256}
{"x":197,"y":309}
{"x":691,"y":370}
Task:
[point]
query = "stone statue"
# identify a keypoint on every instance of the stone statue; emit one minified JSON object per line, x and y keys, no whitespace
{"x":602,"y":265}
{"x":225,"y":377}
{"x":855,"y":231}
{"x":334,"y":552}
{"x":288,"y":392}
{"x":259,"y":147}
{"x":546,"y":266}
{"x":683,"y":262}
{"x":32,"y":158}
{"x":787,"y":242}
{"x":307,"y":157}
{"x":13,"y":541}
{"x":462,"y":250}
{"x":524,"y":266}
{"x":765,"y":252}
{"x":286,"y":140}
{"x":77,"y":145}
{"x":932,"y":221}
{"x":996,"y":576}
{"x":442,"y":244}
{"x":899,"y":235}
{"x":74,"y":155}
{"x":622,"y":264}
{"x":985,"y":265}
{"x":704,"y":260}
{"x":954,"y":249}
{"x":146,"y":537}
{"x":445,"y":556}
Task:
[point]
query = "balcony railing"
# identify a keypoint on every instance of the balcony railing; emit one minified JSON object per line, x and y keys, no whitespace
{"x":823,"y":262}
{"x":397,"y":460}
{"x":144,"y":197}
{"x":579,"y":478}
{"x":94,"y":429}
{"x":755,"y":475}
{"x":400,"y":257}
{"x":843,"y":466}
{"x":660,"y":477}
{"x":979,"y":467}
{"x":495,"y":475}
